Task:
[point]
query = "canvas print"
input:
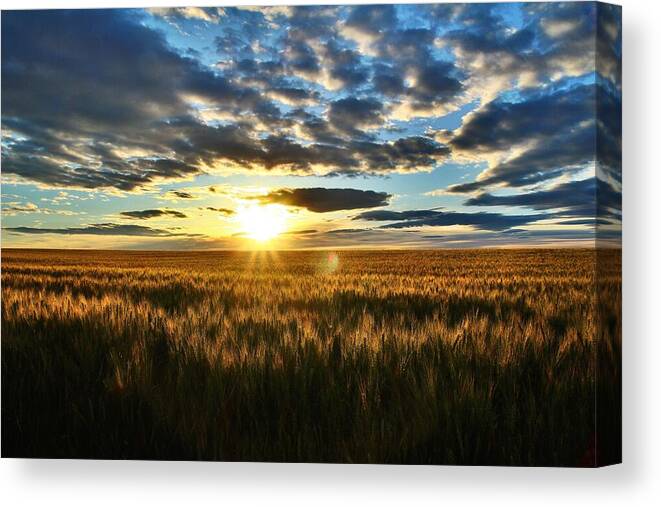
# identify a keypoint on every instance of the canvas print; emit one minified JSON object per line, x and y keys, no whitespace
{"x":384,"y":234}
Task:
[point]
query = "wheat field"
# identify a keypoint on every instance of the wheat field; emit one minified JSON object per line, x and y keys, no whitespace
{"x":498,"y":357}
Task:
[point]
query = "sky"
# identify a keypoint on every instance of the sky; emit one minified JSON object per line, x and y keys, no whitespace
{"x":387,"y":126}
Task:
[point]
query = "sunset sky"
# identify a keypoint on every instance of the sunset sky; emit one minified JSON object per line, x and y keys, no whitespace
{"x":403,"y":126}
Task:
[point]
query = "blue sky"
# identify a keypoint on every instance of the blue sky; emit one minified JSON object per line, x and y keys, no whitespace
{"x":393,"y":126}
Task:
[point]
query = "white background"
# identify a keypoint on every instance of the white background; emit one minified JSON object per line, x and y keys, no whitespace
{"x":636,"y":482}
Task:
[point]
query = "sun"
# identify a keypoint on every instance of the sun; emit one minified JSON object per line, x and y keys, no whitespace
{"x":262,"y":222}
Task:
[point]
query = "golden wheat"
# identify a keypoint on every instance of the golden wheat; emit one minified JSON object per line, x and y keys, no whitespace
{"x":400,"y":357}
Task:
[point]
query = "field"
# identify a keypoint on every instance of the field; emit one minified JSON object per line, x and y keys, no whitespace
{"x":500,"y":357}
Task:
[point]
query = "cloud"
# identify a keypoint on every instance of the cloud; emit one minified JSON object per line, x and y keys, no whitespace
{"x":387,"y":80}
{"x":17,"y":208}
{"x":342,"y":67}
{"x":589,"y":198}
{"x":404,"y":238}
{"x":300,"y":58}
{"x":407,"y":154}
{"x":574,"y":194}
{"x":324,"y":200}
{"x":222,"y":211}
{"x":372,"y":19}
{"x":301,"y":232}
{"x":308,"y":22}
{"x":179,"y":194}
{"x":103,"y":229}
{"x":426,"y":218}
{"x":388,"y":215}
{"x":97,"y":99}
{"x":94,"y":99}
{"x":434,"y":81}
{"x":499,"y":56}
{"x":406,"y":68}
{"x":501,"y":123}
{"x":294,"y":96}
{"x":153,"y":213}
{"x":609,"y":43}
{"x":177,"y":13}
{"x":240,"y":32}
{"x":544,"y":135}
{"x":351,"y":113}
{"x":609,"y":134}
{"x":14,"y":208}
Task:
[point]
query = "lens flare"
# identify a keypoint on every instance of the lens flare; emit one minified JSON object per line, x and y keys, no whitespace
{"x":330,"y":262}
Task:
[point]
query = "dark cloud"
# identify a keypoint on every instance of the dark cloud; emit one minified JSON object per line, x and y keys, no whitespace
{"x":435,"y":81}
{"x":422,"y":218}
{"x":282,"y":151}
{"x":97,"y":99}
{"x":372,"y":19}
{"x":405,"y":53}
{"x":592,"y":222}
{"x":348,"y":232}
{"x":323,"y":200}
{"x":485,"y":31}
{"x":222,"y":211}
{"x":344,"y":65}
{"x":316,"y":128}
{"x":300,"y":57}
{"x":331,"y":154}
{"x":544,"y":162}
{"x":104,"y":229}
{"x":351,"y":113}
{"x":240,"y":31}
{"x":292,"y":95}
{"x":311,"y":21}
{"x":84,"y":86}
{"x":597,"y":201}
{"x":408,"y":153}
{"x":138,"y":101}
{"x":609,"y":133}
{"x":555,"y":133}
{"x":266,"y":73}
{"x":180,"y":194}
{"x":555,"y":40}
{"x":388,"y":215}
{"x":609,"y":43}
{"x":388,"y":81}
{"x":501,"y":124}
{"x":574,"y":194}
{"x":302,"y":232}
{"x":411,"y":44}
{"x":401,"y":52}
{"x":233,"y":43}
{"x":153,"y":213}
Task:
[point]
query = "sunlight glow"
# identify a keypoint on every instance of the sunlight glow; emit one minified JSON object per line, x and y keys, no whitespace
{"x":262,"y":222}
